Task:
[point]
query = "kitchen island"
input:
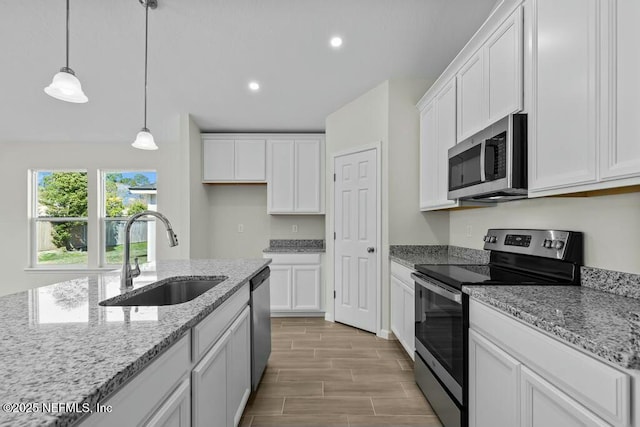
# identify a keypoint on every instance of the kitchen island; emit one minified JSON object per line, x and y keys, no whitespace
{"x":57,"y":345}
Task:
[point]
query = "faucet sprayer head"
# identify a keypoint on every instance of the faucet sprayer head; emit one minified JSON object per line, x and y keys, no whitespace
{"x":173,"y":238}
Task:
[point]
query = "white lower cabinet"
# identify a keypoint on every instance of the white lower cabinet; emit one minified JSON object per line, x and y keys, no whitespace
{"x":520,"y":376}
{"x":494,"y":384}
{"x":544,"y":405}
{"x":403,"y":307}
{"x":176,"y":411}
{"x":221,"y":382}
{"x":295,"y":283}
{"x":204,"y":379}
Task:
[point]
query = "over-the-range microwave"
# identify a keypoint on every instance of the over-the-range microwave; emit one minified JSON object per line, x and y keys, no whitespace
{"x":491,"y":166}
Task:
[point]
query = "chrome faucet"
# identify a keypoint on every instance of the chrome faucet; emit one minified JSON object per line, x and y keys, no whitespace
{"x":128,"y":273}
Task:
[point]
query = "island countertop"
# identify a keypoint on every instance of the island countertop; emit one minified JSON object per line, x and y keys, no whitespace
{"x":58,"y":345}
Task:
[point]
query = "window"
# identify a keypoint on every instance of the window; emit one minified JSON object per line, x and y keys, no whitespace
{"x":126,"y":193}
{"x":77,"y":217}
{"x":60,"y":218}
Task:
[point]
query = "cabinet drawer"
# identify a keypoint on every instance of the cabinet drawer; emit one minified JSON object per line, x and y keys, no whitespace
{"x":139,"y":398}
{"x":402,"y":273}
{"x":603,"y":389}
{"x":292,"y":259}
{"x":207,"y":332}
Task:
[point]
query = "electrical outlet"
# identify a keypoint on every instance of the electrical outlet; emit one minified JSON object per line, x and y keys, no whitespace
{"x":469,"y":230}
{"x":294,"y":228}
{"x":240,"y":228}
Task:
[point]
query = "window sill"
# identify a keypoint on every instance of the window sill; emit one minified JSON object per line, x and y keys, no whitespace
{"x":61,"y":269}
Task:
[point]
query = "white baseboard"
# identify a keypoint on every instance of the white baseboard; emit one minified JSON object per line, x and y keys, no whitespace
{"x":297,"y":314}
{"x":329,"y":317}
{"x":384,"y":333}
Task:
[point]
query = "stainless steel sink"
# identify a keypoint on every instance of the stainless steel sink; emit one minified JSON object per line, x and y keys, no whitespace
{"x":175,"y":291}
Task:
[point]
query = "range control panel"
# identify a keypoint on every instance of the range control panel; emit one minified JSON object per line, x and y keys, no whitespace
{"x":544,"y":243}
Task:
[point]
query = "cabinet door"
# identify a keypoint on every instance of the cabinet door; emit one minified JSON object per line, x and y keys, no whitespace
{"x":306,"y":287}
{"x":494,"y":386}
{"x":409,"y":316}
{"x":238,"y":367}
{"x":564,"y":121}
{"x":621,"y":152}
{"x":250,"y":160}
{"x":280,"y":287}
{"x":446,"y":138}
{"x":280,"y":185}
{"x":308,"y":176}
{"x":218,"y":160}
{"x":209,"y":386}
{"x":176,"y":410}
{"x":428,"y":158}
{"x":544,"y":405}
{"x":503,"y":69}
{"x":397,"y":308}
{"x":470,"y":98}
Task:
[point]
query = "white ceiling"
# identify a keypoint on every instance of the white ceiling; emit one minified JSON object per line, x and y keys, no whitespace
{"x":203,"y":54}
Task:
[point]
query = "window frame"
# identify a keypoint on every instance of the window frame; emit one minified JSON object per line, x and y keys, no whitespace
{"x":102,"y":212}
{"x":34,"y":219}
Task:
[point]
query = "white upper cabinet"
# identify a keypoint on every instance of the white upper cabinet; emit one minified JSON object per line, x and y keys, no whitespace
{"x":490,"y":82}
{"x":295,"y":170}
{"x":503,"y":69}
{"x":620,"y":154}
{"x":227,"y":158}
{"x":470,"y":97}
{"x":563,"y":123}
{"x":583,"y":102}
{"x":437,"y":135}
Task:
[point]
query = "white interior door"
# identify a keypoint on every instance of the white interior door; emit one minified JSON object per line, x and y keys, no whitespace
{"x":356,"y":226}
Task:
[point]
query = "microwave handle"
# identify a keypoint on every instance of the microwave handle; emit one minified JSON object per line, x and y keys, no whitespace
{"x":483,"y":148}
{"x":450,"y":295}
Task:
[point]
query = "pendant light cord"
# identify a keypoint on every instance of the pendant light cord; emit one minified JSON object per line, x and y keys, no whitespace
{"x":146,"y":49}
{"x":67,"y":34}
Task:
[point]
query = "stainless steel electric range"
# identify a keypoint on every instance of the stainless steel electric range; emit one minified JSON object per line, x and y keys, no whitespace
{"x":517,"y":257}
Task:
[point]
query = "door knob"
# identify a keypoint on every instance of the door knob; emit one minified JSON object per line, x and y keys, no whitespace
{"x":371,"y":249}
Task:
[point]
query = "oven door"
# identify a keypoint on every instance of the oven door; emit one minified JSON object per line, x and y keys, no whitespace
{"x":440,"y":332}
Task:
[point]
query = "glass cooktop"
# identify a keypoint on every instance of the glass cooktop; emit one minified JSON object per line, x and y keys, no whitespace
{"x":458,"y":275}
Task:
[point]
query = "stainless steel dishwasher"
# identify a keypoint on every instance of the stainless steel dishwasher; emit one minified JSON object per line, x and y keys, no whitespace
{"x":260,"y":326}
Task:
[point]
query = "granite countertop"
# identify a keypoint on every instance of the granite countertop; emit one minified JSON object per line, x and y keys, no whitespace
{"x":600,"y":323}
{"x":310,"y":246}
{"x":412,"y":255}
{"x":58,"y":345}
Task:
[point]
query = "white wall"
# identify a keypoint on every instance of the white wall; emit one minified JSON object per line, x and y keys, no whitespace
{"x":407,"y":225}
{"x":195,"y":197}
{"x":17,"y":158}
{"x":386,"y":115}
{"x":233,"y":204}
{"x":611,"y":225}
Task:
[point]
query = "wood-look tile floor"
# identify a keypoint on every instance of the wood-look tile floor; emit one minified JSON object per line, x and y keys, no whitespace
{"x":327,"y":374}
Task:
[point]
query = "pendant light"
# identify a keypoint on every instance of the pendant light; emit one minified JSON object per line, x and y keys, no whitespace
{"x":65,"y":85}
{"x":144,"y":139}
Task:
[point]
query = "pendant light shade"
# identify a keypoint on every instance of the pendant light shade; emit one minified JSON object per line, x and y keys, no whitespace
{"x":65,"y":86}
{"x":144,"y":139}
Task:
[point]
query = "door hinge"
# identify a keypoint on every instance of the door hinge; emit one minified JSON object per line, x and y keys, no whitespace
{"x":334,"y":177}
{"x":334,"y":235}
{"x":334,"y":294}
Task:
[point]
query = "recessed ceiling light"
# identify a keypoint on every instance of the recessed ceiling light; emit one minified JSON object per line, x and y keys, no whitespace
{"x":336,"y":42}
{"x":254,"y":86}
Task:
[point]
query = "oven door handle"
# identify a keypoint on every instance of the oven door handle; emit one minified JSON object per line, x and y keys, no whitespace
{"x":454,"y":296}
